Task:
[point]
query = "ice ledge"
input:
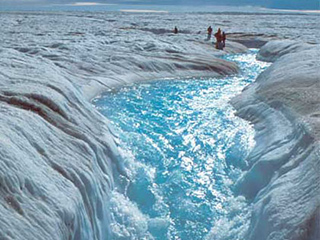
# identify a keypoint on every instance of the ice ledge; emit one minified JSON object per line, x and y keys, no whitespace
{"x":282,"y":180}
{"x":273,"y":50}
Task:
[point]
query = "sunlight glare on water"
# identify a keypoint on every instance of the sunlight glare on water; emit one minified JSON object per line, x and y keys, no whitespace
{"x":184,"y":149}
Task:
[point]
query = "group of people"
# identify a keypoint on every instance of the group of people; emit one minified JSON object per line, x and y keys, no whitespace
{"x":219,"y":35}
{"x":220,"y":38}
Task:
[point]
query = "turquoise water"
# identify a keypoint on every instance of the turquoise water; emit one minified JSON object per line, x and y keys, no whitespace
{"x":184,"y":149}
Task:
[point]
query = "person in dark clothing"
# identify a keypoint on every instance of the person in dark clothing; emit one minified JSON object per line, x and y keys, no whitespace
{"x":209,"y":33}
{"x":175,"y":30}
{"x":224,"y":37}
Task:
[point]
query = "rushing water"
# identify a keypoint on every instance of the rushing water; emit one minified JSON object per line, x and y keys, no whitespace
{"x":184,"y":149}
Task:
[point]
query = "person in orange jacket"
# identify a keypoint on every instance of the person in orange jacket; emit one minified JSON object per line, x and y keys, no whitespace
{"x":218,"y":37}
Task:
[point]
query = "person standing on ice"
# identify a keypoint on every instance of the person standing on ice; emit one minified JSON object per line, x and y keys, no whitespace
{"x":209,"y":33}
{"x":175,"y":30}
{"x":224,"y":37}
{"x":218,"y":36}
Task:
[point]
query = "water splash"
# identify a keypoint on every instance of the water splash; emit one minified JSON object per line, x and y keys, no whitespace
{"x":184,"y":149}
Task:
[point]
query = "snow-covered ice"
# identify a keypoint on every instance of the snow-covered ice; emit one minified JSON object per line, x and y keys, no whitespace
{"x":283,"y":178}
{"x":59,"y":159}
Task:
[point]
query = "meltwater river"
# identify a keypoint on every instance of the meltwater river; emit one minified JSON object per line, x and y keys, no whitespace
{"x":184,"y":149}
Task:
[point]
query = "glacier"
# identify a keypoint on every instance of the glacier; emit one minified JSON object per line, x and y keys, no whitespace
{"x":59,"y":157}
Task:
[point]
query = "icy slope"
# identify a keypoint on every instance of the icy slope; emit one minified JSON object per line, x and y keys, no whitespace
{"x":275,"y":49}
{"x":56,"y":167}
{"x":283,"y":179}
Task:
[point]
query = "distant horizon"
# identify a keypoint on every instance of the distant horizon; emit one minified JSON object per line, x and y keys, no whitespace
{"x":144,"y":8}
{"x":164,"y":5}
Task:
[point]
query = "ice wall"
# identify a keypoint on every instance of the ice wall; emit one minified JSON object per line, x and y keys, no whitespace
{"x":283,"y":178}
{"x":56,"y":155}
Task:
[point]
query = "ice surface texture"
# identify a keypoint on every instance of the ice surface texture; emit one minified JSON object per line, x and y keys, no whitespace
{"x":56,"y":168}
{"x":57,"y":157}
{"x":283,"y":179}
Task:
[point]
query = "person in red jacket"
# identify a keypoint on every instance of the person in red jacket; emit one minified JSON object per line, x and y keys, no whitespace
{"x":218,"y":37}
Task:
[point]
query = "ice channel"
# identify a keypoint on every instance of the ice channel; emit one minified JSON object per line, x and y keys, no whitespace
{"x":184,"y":148}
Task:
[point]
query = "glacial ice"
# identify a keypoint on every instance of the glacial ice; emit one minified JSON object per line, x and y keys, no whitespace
{"x":283,"y":179}
{"x":59,"y":160}
{"x":58,"y":157}
{"x":277,"y":48}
